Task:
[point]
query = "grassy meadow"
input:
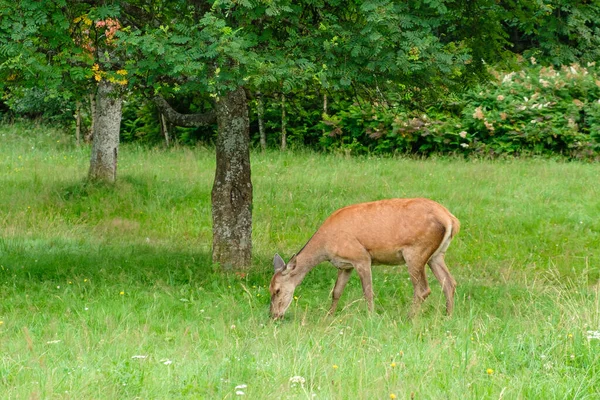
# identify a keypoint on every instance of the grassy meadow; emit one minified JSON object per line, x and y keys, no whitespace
{"x":109,"y":292}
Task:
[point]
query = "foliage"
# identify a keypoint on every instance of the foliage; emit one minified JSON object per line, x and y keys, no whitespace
{"x":535,"y":110}
{"x":37,"y":103}
{"x":538,"y":109}
{"x":559,"y":32}
{"x":109,"y":292}
{"x":57,"y":45}
{"x":141,"y":123}
{"x":393,"y":71}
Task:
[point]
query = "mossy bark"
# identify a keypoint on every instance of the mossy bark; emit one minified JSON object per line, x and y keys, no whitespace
{"x":232,"y":189}
{"x":105,"y":136}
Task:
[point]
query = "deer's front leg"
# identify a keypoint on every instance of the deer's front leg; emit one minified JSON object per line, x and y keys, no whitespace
{"x":338,"y":289}
{"x":364,"y":272}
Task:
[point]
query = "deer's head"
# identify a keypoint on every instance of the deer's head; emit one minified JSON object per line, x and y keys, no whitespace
{"x":282,"y":286}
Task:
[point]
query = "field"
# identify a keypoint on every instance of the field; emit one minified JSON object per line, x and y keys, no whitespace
{"x":109,"y":292}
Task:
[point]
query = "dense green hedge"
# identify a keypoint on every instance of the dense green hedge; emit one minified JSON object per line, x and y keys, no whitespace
{"x":537,"y":110}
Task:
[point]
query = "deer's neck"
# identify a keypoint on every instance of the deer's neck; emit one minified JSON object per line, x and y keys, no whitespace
{"x":308,"y":257}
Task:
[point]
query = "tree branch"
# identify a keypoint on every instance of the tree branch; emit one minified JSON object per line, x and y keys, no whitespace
{"x":186,"y":120}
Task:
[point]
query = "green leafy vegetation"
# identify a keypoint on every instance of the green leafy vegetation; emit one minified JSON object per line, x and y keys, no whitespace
{"x":109,"y":291}
{"x":399,"y":77}
{"x":533,"y":110}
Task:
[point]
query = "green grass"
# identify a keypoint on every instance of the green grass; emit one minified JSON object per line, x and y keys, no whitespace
{"x":92,"y":277}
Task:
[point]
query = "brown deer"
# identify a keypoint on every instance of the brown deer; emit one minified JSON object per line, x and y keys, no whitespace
{"x":395,"y":231}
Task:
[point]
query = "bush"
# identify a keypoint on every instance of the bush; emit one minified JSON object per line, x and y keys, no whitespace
{"x":537,"y":110}
{"x":40,"y":103}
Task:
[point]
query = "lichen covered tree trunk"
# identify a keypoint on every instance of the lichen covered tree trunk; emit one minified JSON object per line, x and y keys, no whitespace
{"x":105,"y":136}
{"x":232,"y":189}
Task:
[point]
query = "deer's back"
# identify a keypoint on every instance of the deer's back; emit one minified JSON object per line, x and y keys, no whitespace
{"x":385,"y":227}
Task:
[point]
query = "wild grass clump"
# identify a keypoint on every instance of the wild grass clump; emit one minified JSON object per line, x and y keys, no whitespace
{"x":109,"y":292}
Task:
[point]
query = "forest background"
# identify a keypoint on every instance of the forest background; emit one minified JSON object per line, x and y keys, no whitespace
{"x":471,"y":78}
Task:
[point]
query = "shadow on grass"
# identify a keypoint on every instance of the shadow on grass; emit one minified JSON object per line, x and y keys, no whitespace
{"x":27,"y":261}
{"x":126,"y":186}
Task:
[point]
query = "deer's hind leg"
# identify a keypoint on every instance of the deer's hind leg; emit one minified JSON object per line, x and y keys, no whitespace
{"x":440,"y":270}
{"x":416,"y":260}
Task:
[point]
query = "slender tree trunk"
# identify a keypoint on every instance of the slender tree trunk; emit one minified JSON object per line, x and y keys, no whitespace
{"x":232,"y":189}
{"x":78,"y":123}
{"x":105,"y":145}
{"x":324,"y":110}
{"x":164,"y":127}
{"x":260,"y":110}
{"x":283,"y":124}
{"x":88,"y":137}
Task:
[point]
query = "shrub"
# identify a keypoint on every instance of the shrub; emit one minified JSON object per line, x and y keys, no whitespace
{"x":537,"y":110}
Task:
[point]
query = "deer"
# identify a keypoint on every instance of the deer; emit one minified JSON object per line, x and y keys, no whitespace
{"x":415,"y":232}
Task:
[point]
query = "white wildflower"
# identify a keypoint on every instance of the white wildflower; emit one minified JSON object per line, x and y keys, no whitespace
{"x":463,"y":134}
{"x":464,"y":145}
{"x":239,"y":390}
{"x":593,"y":334}
{"x":139,"y":357}
{"x":508,"y":77}
{"x":53,"y":341}
{"x":297,"y":379}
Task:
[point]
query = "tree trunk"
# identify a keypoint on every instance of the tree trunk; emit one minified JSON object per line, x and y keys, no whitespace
{"x":283,"y":124}
{"x":78,"y":123}
{"x":105,"y":140}
{"x":164,"y":127}
{"x":232,"y":189}
{"x":260,"y":110}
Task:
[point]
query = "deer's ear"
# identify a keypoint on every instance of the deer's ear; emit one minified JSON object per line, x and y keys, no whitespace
{"x":278,"y":263}
{"x":290,"y":266}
